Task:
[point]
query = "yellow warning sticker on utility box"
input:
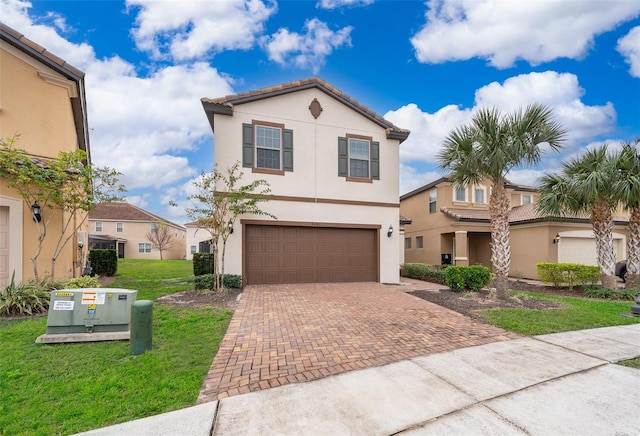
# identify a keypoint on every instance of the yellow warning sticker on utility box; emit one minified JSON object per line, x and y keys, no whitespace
{"x":64,"y":294}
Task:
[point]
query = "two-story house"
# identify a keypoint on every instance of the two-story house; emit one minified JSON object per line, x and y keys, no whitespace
{"x":42,"y":100}
{"x":451,"y":225}
{"x":124,"y":227}
{"x":332,"y":165}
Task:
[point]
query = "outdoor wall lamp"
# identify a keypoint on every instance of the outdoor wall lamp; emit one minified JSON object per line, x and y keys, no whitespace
{"x":230,"y":225}
{"x":556,"y":239}
{"x":36,"y":212}
{"x":390,"y":231}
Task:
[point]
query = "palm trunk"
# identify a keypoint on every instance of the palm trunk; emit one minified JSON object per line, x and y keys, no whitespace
{"x":602,"y":223}
{"x":500,"y":239}
{"x":633,"y":250}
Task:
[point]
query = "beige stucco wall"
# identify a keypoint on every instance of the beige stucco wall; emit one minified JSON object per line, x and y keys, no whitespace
{"x":194,"y":236}
{"x":315,"y":174}
{"x":134,"y":232}
{"x":35,"y":105}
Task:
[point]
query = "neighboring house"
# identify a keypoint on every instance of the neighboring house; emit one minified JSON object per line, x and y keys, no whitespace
{"x":124,"y":227}
{"x":452,"y":226}
{"x":332,"y":166}
{"x":42,"y":99}
{"x":198,"y":240}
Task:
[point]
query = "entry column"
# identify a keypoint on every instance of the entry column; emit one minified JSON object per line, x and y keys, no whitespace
{"x":461,"y":243}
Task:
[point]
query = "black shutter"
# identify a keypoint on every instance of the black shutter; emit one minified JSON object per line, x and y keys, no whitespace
{"x":375,"y":160}
{"x":287,"y":149}
{"x":343,"y":157}
{"x":247,"y":145}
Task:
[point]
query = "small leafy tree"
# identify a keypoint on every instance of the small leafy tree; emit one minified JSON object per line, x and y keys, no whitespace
{"x":63,"y":185}
{"x":162,"y":238}
{"x":220,"y":200}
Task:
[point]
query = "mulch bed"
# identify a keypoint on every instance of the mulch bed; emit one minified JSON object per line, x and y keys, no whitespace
{"x":470,"y":303}
{"x":228,"y":299}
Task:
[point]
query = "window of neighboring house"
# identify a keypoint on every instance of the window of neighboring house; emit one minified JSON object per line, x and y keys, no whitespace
{"x":479,"y":194}
{"x":119,"y":227}
{"x":358,"y":158}
{"x":433,"y":208}
{"x":144,"y":248}
{"x":154,"y":227}
{"x":193,"y":249}
{"x":419,"y":242}
{"x":267,"y":147}
{"x":460,"y":194}
{"x":98,"y":226}
{"x":525,"y":199}
{"x":407,"y":243}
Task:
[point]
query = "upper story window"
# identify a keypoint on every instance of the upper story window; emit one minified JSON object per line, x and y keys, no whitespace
{"x":479,"y":194}
{"x":525,"y":199}
{"x":154,"y":227}
{"x":358,"y":158}
{"x":267,"y":147}
{"x":460,"y":194}
{"x":98,"y":226}
{"x":119,"y":227}
{"x":433,"y":196}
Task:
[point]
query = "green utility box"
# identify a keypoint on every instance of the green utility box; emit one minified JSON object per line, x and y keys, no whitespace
{"x":89,"y":314}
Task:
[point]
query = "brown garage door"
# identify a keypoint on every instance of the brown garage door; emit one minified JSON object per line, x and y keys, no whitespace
{"x":277,"y":254}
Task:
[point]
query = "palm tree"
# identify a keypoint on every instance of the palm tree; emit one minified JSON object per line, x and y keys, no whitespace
{"x":587,"y":184}
{"x":628,"y":191}
{"x":489,"y":147}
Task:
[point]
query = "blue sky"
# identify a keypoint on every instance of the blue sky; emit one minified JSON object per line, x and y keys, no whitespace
{"x":425,"y":66}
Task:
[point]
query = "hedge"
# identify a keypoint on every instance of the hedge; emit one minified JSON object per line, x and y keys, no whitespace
{"x":205,"y":281}
{"x":422,"y":271}
{"x":202,"y":263}
{"x":567,"y":273}
{"x":103,"y":262}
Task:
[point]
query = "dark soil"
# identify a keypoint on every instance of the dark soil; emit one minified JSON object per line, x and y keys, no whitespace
{"x":470,"y":303}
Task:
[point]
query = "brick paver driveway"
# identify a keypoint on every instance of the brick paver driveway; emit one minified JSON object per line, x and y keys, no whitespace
{"x":283,"y":334}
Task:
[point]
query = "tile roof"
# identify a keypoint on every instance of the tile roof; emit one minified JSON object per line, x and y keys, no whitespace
{"x":126,"y":212}
{"x":224,"y":105}
{"x":447,"y":178}
{"x":517,"y":215}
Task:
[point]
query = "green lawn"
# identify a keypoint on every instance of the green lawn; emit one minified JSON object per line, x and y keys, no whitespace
{"x":579,"y":313}
{"x":69,"y":388}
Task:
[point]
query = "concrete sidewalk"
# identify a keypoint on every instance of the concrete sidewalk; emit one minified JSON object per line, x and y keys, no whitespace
{"x":563,"y":383}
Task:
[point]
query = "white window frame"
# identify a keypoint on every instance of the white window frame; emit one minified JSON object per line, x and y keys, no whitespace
{"x":153,"y":227}
{"x":119,"y":227}
{"x":359,"y":158}
{"x":433,"y":200}
{"x":478,"y":188}
{"x":144,"y":247}
{"x":193,"y":249}
{"x":98,"y":226}
{"x":459,"y":189}
{"x":258,"y":146}
{"x":523,"y":196}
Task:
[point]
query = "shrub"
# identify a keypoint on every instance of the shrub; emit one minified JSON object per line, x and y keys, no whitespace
{"x":421,"y":271}
{"x":78,"y":283}
{"x":474,"y":277}
{"x":567,"y":273}
{"x":205,"y":281}
{"x":103,"y":262}
{"x":455,"y":277}
{"x":202,"y":264}
{"x":29,"y":298}
{"x":595,"y":291}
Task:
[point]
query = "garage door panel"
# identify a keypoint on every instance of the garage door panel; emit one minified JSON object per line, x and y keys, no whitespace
{"x":279,"y":254}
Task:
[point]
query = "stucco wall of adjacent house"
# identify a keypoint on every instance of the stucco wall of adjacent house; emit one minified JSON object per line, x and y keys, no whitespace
{"x":313,"y":192}
{"x":35,"y":105}
{"x":134,"y":233}
{"x":194,"y":236}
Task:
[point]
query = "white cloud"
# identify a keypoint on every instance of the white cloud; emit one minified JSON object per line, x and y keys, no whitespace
{"x":306,"y":50}
{"x":334,"y":4}
{"x":561,"y":92}
{"x":190,"y":30}
{"x":505,"y":31}
{"x":629,"y":47}
{"x":411,"y":178}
